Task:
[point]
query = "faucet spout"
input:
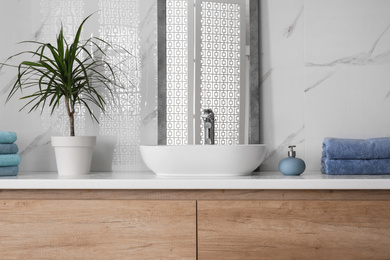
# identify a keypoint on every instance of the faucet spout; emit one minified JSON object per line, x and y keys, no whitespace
{"x":208,"y":119}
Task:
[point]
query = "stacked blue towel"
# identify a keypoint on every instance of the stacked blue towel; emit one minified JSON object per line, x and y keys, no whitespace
{"x":9,"y":159}
{"x":356,"y":156}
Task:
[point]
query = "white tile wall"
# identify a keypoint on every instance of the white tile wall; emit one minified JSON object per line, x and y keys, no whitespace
{"x":325,"y":72}
{"x":330,"y":77}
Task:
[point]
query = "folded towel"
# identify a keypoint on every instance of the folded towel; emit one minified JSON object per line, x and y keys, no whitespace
{"x":339,"y":148}
{"x":7,"y":137}
{"x":9,"y":170}
{"x":8,"y":148}
{"x":9,"y":159}
{"x":359,"y":167}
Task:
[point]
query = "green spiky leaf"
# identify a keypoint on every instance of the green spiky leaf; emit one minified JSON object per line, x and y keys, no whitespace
{"x":67,"y":73}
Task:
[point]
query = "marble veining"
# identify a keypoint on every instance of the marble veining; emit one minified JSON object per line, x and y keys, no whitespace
{"x":38,"y":33}
{"x":41,"y":140}
{"x":266,"y":76}
{"x":387,"y":95}
{"x":327,"y":76}
{"x":289,"y":140}
{"x":289,"y":30}
{"x":148,"y":118}
{"x":360,"y":59}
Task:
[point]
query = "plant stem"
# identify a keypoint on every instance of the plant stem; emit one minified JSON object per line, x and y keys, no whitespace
{"x":71,"y":116}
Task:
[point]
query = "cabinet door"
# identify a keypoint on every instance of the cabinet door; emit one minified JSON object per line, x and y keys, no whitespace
{"x":294,"y":229}
{"x":97,"y":229}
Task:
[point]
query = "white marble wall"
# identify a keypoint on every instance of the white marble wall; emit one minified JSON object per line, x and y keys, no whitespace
{"x":119,"y":134}
{"x":326,"y":72}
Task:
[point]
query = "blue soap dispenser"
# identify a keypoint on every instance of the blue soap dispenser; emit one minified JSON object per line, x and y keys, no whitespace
{"x":292,"y":166}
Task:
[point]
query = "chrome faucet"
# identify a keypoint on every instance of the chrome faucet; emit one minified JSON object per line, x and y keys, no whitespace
{"x":208,"y":119}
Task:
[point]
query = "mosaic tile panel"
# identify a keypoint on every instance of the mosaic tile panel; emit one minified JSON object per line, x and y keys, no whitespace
{"x":119,"y":24}
{"x":177,"y":71}
{"x":220,"y":68}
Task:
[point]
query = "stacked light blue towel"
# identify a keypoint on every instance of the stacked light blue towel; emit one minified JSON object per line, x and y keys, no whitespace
{"x":356,"y":156}
{"x":9,"y":157}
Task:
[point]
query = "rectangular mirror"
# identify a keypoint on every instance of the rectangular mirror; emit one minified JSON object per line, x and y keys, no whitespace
{"x":208,"y":59}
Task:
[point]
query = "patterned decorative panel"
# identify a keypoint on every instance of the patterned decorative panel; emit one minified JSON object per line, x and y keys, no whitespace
{"x":177,"y":71}
{"x":220,"y":68}
{"x":57,"y":12}
{"x":119,"y":24}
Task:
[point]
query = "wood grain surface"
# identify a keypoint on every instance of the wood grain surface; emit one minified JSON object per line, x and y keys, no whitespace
{"x":196,"y":194}
{"x":162,"y":224}
{"x":294,"y":229}
{"x":97,"y":229}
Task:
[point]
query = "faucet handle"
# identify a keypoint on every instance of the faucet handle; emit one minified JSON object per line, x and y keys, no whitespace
{"x":207,"y":114}
{"x":208,"y":111}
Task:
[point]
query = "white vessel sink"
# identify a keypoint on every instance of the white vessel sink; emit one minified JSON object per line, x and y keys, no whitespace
{"x":203,"y":160}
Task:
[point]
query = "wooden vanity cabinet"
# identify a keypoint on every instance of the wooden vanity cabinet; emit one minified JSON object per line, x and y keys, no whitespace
{"x":194,"y":224}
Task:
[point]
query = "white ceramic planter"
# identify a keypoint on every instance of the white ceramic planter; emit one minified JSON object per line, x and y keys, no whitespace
{"x":73,"y":154}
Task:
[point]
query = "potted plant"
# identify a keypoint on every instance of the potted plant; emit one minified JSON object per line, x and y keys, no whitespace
{"x":72,"y":74}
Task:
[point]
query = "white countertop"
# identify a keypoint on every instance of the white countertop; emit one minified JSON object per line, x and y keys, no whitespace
{"x":148,"y":180}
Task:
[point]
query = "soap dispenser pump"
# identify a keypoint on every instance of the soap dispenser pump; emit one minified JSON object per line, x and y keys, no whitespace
{"x":292,"y":166}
